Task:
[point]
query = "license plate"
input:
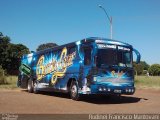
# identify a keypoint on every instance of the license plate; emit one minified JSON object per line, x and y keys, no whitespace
{"x":117,"y":91}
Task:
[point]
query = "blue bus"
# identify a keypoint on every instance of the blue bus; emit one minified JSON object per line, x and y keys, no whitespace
{"x":90,"y":66}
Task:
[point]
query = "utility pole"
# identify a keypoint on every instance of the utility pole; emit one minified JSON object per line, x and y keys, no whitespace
{"x":110,"y":20}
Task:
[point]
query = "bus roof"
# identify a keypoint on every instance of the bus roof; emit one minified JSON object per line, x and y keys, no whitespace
{"x":105,"y":40}
{"x":86,"y":40}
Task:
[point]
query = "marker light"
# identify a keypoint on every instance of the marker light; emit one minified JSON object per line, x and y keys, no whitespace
{"x":108,"y":89}
{"x":100,"y":89}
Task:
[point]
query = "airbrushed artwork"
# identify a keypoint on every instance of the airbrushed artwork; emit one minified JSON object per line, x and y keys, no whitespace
{"x":89,"y":66}
{"x":54,"y":65}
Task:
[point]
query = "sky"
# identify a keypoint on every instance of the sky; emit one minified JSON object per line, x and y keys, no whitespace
{"x":33,"y":22}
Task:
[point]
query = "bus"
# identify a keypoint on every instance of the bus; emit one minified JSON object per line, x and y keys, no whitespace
{"x":90,"y":66}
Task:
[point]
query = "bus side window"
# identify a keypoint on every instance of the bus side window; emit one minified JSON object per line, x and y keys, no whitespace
{"x":87,"y":56}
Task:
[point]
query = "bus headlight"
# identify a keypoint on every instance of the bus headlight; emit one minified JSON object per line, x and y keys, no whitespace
{"x":104,"y":89}
{"x":129,"y":90}
{"x":108,"y":89}
{"x":100,"y":89}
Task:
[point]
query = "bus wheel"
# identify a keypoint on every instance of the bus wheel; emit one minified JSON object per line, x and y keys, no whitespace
{"x":30,"y":86}
{"x":74,"y":91}
{"x":35,"y":87}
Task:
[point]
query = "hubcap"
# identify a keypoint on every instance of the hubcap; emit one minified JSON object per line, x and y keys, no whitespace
{"x":35,"y":86}
{"x":29,"y":86}
{"x":74,"y":90}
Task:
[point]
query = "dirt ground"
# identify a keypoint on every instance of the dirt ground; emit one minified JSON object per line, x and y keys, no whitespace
{"x":21,"y":102}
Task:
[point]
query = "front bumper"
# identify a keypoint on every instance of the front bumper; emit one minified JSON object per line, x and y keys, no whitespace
{"x":105,"y":89}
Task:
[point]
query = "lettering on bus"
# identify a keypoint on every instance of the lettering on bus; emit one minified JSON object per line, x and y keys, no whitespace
{"x":123,"y":48}
{"x":106,"y":46}
{"x":56,"y":67}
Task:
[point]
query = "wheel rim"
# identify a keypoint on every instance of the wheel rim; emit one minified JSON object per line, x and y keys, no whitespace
{"x":35,"y":87}
{"x":74,"y":91}
{"x":29,"y":86}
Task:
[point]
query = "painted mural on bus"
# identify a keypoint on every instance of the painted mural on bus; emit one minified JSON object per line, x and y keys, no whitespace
{"x":89,"y":66}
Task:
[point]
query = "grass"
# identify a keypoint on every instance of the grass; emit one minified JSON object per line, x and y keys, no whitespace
{"x":140,"y":82}
{"x":11,"y":83}
{"x":147,"y":82}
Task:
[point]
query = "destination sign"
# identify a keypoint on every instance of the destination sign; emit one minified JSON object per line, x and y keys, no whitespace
{"x":123,"y":48}
{"x":106,"y":46}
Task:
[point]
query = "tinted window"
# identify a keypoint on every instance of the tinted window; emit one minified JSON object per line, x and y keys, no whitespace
{"x":71,"y":50}
{"x":87,"y":56}
{"x":124,"y":58}
{"x":106,"y":57}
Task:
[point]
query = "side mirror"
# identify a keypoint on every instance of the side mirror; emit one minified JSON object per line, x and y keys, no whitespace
{"x":138,"y":55}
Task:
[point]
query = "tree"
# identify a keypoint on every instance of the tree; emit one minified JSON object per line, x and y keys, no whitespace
{"x":154,"y":69}
{"x":145,"y":65}
{"x":138,"y":68}
{"x":4,"y":43}
{"x":14,"y":53}
{"x":3,"y":79}
{"x":1,"y":34}
{"x":10,"y":54}
{"x":141,"y":68}
{"x":4,"y":39}
{"x":45,"y":46}
{"x":20,"y":50}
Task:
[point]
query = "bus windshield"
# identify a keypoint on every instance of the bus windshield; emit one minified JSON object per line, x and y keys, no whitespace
{"x":124,"y":57}
{"x":119,"y":56}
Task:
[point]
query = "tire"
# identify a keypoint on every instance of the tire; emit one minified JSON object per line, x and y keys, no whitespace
{"x":30,"y":86}
{"x":74,"y":91}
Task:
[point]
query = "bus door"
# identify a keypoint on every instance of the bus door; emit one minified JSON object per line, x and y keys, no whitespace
{"x":87,"y":64}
